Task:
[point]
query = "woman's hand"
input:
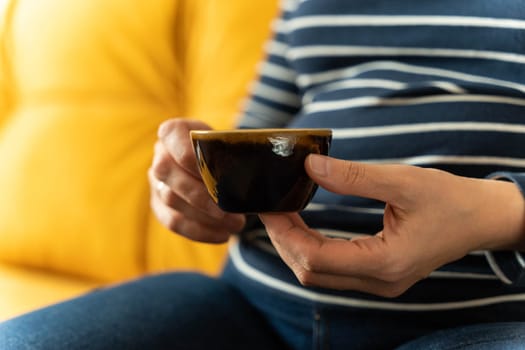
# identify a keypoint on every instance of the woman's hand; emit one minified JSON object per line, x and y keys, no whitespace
{"x":179,"y":198}
{"x":431,"y":218}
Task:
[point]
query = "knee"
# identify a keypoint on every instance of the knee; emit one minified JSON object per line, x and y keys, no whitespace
{"x":508,"y":335}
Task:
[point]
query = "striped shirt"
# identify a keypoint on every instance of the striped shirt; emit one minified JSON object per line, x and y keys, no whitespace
{"x":436,"y":84}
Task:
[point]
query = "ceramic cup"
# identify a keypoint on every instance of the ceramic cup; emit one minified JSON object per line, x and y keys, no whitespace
{"x":259,"y":170}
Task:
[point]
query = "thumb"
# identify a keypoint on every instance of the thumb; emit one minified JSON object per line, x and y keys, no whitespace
{"x":385,"y":182}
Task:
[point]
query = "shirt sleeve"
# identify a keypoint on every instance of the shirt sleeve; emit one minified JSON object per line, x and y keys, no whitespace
{"x":509,"y":266}
{"x":274,"y":98}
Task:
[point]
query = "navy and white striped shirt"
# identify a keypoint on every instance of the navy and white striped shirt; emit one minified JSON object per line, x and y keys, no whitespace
{"x":436,"y":84}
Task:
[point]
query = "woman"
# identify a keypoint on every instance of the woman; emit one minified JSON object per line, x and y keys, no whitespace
{"x":415,"y":238}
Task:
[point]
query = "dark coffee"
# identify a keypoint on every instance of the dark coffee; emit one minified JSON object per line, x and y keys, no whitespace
{"x":259,"y":174}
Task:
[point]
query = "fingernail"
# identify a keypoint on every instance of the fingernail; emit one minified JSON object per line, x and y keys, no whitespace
{"x":318,"y":164}
{"x":214,"y":211}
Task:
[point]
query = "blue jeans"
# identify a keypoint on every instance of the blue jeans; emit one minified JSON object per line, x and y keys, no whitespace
{"x":167,"y":311}
{"x":507,"y":335}
{"x":191,"y":311}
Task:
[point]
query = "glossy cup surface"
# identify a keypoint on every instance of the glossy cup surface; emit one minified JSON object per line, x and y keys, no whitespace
{"x":259,"y":170}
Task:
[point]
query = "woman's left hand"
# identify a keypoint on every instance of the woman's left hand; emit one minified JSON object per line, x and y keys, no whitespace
{"x":431,"y":218}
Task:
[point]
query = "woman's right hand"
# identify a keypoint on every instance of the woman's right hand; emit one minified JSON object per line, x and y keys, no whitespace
{"x":179,"y":198}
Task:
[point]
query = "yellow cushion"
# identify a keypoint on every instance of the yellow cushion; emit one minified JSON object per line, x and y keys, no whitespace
{"x":23,"y":289}
{"x":86,"y":84}
{"x":5,"y":99}
{"x":93,"y":79}
{"x":225,"y":56}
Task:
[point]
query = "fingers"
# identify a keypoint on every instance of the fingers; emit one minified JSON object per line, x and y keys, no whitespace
{"x":193,"y":227}
{"x":179,"y":215}
{"x":287,"y":228}
{"x":174,"y":134}
{"x":179,"y":198}
{"x":366,"y":265}
{"x":356,"y":283}
{"x":182,"y":185}
{"x":388,"y":183}
{"x":180,"y":191}
{"x":316,"y":253}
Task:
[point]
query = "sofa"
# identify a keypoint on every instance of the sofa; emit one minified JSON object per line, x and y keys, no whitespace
{"x":84,"y":85}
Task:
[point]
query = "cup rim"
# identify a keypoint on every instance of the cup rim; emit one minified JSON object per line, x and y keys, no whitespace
{"x":265,"y":131}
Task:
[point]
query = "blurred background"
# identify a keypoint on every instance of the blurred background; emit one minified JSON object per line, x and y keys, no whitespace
{"x":84,"y":85}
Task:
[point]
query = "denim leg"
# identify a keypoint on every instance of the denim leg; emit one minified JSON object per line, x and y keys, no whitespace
{"x":168,"y":311}
{"x":495,"y":336}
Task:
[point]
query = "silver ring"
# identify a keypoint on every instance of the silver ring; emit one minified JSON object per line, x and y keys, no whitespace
{"x":160,"y":186}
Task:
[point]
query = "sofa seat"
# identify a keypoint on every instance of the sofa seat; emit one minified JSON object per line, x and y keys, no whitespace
{"x":36,"y":288}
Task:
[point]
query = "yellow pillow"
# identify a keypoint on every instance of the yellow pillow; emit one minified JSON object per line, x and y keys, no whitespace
{"x":5,"y":99}
{"x":225,"y":56}
{"x":92,"y":81}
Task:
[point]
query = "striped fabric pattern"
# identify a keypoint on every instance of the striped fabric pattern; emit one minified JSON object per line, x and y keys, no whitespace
{"x":436,"y":84}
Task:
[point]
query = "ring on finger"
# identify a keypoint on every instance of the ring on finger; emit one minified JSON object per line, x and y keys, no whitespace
{"x":160,"y":186}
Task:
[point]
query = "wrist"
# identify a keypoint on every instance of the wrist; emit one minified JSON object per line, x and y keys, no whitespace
{"x":505,"y":215}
